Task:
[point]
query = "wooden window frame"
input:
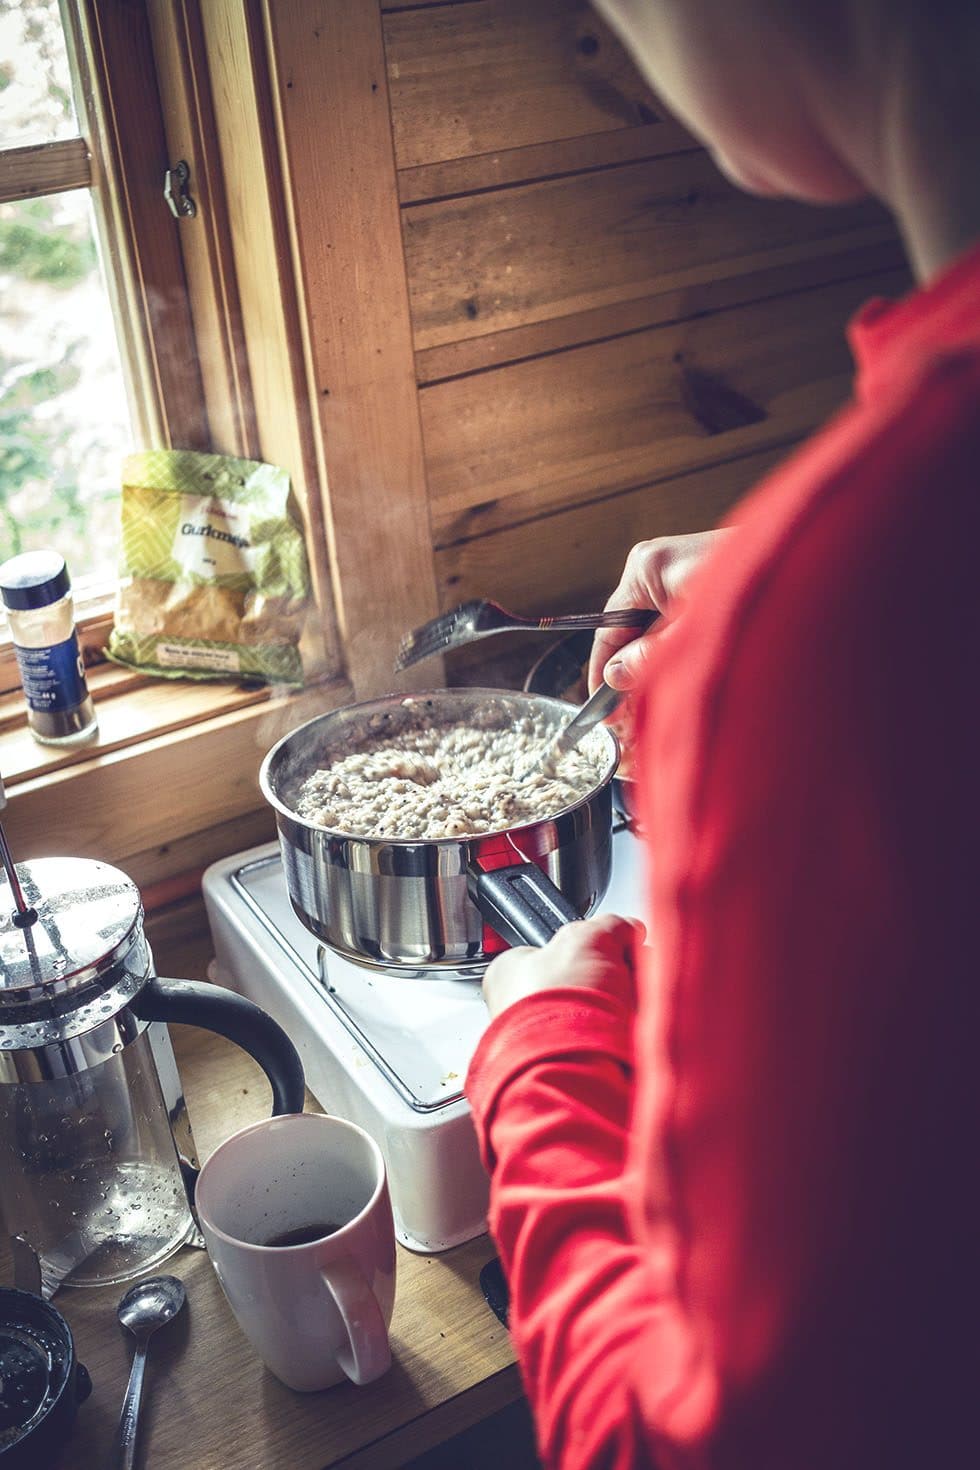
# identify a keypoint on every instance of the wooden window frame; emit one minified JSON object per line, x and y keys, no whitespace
{"x":121,"y":158}
{"x":171,"y":783}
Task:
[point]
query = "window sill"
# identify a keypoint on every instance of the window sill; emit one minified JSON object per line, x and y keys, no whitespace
{"x":169,"y":785}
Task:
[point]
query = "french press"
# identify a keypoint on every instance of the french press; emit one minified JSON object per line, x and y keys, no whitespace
{"x":97,"y":1158}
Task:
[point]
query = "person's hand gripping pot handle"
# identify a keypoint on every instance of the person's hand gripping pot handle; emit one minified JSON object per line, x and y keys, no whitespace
{"x":600,"y":954}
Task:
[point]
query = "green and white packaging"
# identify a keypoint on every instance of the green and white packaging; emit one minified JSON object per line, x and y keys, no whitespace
{"x":214,"y":581}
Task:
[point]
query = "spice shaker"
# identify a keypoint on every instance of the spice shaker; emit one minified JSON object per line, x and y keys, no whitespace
{"x":36,"y":591}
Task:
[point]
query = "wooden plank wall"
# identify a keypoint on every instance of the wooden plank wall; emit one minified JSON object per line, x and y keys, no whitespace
{"x":610,"y":341}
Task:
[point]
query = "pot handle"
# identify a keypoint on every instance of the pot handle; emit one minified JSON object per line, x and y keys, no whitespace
{"x":191,"y":1003}
{"x":521,"y":903}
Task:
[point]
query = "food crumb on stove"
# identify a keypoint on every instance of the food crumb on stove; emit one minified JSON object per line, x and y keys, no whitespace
{"x":430,"y":779}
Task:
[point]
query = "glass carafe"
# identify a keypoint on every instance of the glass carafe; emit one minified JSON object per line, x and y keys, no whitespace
{"x":97,"y":1161}
{"x":92,"y":1179}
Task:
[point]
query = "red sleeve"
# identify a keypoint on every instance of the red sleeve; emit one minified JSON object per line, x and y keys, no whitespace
{"x":814,"y":810}
{"x":551,"y":1086}
{"x":763,"y":1253}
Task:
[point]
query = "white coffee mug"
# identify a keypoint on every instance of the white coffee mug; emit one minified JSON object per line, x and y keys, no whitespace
{"x":314,"y":1309}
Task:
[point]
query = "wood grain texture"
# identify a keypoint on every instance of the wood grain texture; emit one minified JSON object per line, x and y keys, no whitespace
{"x":138,"y":798}
{"x":123,"y":122}
{"x":811,"y":265}
{"x":499,"y":74}
{"x":571,"y":560}
{"x":331,"y":96}
{"x":259,"y":237}
{"x":209,"y":1402}
{"x":205,"y":238}
{"x":535,"y":437}
{"x":12,"y":708}
{"x":183,"y":859}
{"x":46,"y":168}
{"x":541,"y":161}
{"x":435,"y":1430}
{"x":129,"y":708}
{"x":391,"y":6}
{"x":494,"y":261}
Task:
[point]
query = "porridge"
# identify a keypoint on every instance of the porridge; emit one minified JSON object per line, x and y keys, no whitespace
{"x":430,"y":779}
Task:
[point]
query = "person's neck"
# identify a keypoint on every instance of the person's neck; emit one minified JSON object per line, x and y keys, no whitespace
{"x":935,"y":202}
{"x":937,"y":220}
{"x":927,"y":161}
{"x":900,"y":106}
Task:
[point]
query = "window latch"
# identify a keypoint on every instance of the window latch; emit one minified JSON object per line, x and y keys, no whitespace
{"x":175,"y":182}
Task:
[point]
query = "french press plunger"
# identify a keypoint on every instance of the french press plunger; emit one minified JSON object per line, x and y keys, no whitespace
{"x":97,"y":1159}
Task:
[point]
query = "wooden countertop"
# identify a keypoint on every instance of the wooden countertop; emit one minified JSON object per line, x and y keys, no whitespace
{"x":209,"y":1403}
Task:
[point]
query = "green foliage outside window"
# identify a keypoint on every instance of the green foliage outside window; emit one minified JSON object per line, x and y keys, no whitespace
{"x":63,"y":415}
{"x":36,"y":249}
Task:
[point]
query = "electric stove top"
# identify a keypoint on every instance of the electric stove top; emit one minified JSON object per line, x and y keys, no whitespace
{"x":387,"y":1049}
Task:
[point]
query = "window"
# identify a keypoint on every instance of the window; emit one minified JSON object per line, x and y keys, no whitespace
{"x":83,"y":346}
{"x":64,"y":419}
{"x":208,"y":326}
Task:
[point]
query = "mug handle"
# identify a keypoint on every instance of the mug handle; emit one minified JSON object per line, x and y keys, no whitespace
{"x":368,"y":1354}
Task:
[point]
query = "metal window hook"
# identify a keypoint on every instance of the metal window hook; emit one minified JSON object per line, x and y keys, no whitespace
{"x":175,"y":182}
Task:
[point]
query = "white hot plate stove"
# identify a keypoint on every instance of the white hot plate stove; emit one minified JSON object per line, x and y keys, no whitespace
{"x":388,"y":1050}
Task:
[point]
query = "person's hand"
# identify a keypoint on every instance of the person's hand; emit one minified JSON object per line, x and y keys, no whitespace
{"x":599,"y":953}
{"x":654,"y":577}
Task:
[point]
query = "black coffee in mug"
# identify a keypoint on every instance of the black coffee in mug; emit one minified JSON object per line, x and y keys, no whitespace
{"x":303,"y":1234}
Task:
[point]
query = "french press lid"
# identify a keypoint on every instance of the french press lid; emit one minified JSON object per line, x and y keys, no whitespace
{"x":72,"y":954}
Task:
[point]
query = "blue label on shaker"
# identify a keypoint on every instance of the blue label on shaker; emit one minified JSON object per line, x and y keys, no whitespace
{"x":53,"y":678}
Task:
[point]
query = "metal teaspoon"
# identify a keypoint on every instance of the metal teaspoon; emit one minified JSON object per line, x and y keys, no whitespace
{"x":145,"y":1307}
{"x":596,"y":708}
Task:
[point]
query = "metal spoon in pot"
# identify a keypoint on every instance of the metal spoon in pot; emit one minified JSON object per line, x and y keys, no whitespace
{"x":145,"y":1307}
{"x":596,"y":708}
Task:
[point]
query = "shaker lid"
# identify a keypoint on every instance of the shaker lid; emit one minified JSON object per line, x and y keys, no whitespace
{"x":34,"y":579}
{"x":88,"y":915}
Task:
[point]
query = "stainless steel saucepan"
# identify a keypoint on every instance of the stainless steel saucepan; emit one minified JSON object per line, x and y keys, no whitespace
{"x":452,"y":903}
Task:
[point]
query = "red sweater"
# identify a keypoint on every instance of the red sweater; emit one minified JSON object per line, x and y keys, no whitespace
{"x":738,"y":1210}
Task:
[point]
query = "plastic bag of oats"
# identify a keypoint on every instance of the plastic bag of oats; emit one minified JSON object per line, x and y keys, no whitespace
{"x":213,"y":577}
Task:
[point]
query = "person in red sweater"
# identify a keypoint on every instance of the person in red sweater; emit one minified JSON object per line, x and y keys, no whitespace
{"x":732,"y":1165}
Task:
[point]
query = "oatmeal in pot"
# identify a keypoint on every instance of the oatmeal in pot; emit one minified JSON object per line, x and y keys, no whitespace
{"x":431,"y":778}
